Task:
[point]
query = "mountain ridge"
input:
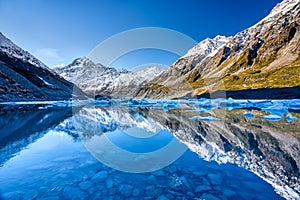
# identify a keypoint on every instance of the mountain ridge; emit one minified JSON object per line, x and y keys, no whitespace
{"x":25,"y":78}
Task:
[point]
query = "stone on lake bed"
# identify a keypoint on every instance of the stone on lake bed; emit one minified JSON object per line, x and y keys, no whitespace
{"x":207,"y":196}
{"x":100,"y":176}
{"x":150,"y":189}
{"x":190,"y":194}
{"x":109,"y":183}
{"x":73,"y":193}
{"x":151,"y":178}
{"x":202,"y":188}
{"x":153,"y":191}
{"x":162,"y":197}
{"x":228,"y":192}
{"x":49,"y":198}
{"x":126,"y":190}
{"x":85,"y":185}
{"x":157,"y":192}
{"x":112,"y":191}
{"x":136,"y":192}
{"x":186,"y":182}
{"x":158,"y":173}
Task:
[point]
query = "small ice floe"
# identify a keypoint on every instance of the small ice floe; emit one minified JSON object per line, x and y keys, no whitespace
{"x":289,"y":117}
{"x":272,"y":117}
{"x":140,"y":103}
{"x":195,"y":111}
{"x":208,"y":118}
{"x":248,"y":114}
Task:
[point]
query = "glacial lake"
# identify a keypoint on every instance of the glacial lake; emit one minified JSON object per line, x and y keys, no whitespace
{"x":138,"y":149}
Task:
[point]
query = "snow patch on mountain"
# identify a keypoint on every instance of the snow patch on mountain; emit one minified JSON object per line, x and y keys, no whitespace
{"x":207,"y":47}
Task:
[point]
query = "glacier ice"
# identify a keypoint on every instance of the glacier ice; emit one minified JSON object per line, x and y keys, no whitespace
{"x":272,"y":117}
{"x":248,"y":114}
{"x":289,"y":117}
{"x":208,"y":118}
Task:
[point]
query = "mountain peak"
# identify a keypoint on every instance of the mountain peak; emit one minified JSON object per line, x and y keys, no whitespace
{"x":284,"y":7}
{"x":207,"y":46}
{"x":82,"y":61}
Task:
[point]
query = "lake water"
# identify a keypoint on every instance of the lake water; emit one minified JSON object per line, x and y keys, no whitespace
{"x":127,"y":149}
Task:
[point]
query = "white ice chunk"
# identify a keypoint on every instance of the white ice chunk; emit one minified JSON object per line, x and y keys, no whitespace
{"x":272,"y":117}
{"x":289,"y":117}
{"x":248,"y":114}
{"x":208,"y":118}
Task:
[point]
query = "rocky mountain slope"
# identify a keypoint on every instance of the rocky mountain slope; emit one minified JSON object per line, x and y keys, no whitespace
{"x":97,"y":79}
{"x":266,"y":55}
{"x":23,"y":77}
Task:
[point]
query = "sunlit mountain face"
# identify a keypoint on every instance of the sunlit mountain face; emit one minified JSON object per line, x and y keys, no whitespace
{"x":230,"y":149}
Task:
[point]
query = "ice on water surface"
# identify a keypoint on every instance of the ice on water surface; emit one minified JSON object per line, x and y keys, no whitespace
{"x":248,"y":114}
{"x":207,"y":118}
{"x":290,"y":117}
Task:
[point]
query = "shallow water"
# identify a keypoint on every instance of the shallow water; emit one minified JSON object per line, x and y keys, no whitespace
{"x":162,"y":150}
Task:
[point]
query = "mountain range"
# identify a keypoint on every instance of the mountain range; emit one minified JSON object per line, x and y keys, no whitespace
{"x":95,"y":79}
{"x":260,"y":61}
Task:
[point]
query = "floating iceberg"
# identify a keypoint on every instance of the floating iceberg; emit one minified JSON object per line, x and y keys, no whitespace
{"x":140,"y":103}
{"x":272,"y":117}
{"x":248,"y":114}
{"x":289,"y":117}
{"x":208,"y":118}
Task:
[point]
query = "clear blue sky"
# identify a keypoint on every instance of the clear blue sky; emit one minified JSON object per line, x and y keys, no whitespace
{"x":58,"y":31}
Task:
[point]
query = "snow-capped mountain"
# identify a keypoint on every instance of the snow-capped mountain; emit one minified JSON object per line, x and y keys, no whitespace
{"x":265,"y":55}
{"x":90,"y":77}
{"x":100,"y":80}
{"x":23,"y":77}
{"x":207,"y":47}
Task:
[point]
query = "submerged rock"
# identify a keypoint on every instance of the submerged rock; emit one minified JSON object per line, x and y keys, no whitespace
{"x":73,"y":193}
{"x":85,"y":185}
{"x":162,"y":197}
{"x":109,"y":183}
{"x":202,"y":188}
{"x":100,"y":176}
{"x":207,"y":196}
{"x":126,"y":190}
{"x":136,"y":192}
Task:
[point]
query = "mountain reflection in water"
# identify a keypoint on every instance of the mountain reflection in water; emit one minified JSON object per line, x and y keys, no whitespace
{"x":241,"y":136}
